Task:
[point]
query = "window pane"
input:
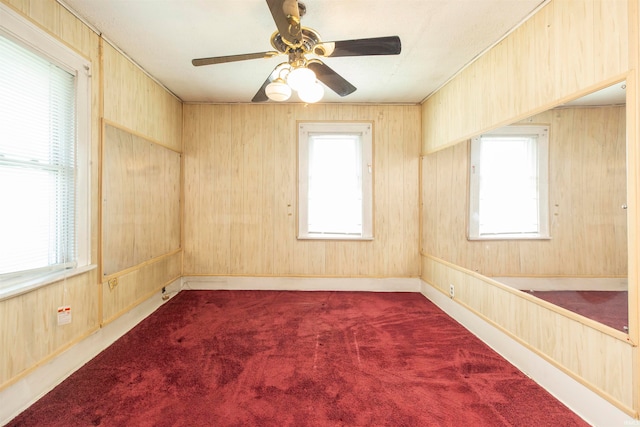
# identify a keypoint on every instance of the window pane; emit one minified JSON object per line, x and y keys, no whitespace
{"x":37,"y":161}
{"x":508,"y":190}
{"x":335,"y":184}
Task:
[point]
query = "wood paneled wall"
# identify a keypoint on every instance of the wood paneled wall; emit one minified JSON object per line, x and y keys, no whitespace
{"x":568,"y":48}
{"x":29,"y":333}
{"x":600,"y":360}
{"x":153,"y":117}
{"x":587,"y":187}
{"x":139,"y":284}
{"x":241,"y":189}
{"x":130,"y":100}
{"x":141,"y":194}
{"x":136,"y":102}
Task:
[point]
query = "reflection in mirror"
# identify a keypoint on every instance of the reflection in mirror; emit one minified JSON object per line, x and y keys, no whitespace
{"x":583,"y":266}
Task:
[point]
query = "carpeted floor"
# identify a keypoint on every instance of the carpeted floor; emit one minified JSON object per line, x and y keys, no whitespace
{"x":265,"y":358}
{"x":610,"y":308}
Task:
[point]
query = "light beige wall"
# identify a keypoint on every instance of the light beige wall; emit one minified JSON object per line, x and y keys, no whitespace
{"x":633,"y":187}
{"x":241,"y":190}
{"x":141,"y":200}
{"x":29,"y":332}
{"x":134,"y":101}
{"x":152,"y":117}
{"x":566,"y":49}
{"x":141,"y":219}
{"x":130,"y":100}
{"x":587,"y":187}
{"x":585,"y":350}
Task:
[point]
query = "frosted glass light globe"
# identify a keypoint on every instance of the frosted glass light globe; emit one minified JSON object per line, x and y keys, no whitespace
{"x":311,"y":93}
{"x":298,"y":78}
{"x":278,"y":90}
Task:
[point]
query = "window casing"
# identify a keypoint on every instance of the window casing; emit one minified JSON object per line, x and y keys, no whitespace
{"x":44,"y":157}
{"x":335,"y":182}
{"x":508,"y":184}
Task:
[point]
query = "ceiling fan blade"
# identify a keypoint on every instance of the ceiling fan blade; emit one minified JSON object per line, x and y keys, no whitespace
{"x":232,"y":58}
{"x":287,"y":18}
{"x":331,"y":79}
{"x":261,"y":95}
{"x":360,"y":47}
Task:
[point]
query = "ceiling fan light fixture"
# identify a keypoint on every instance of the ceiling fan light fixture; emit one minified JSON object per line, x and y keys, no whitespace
{"x":300,"y":78}
{"x":278,"y":90}
{"x":311,"y":93}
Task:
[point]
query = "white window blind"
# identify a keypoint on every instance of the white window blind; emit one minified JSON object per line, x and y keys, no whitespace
{"x":37,"y":134}
{"x":44,"y":112}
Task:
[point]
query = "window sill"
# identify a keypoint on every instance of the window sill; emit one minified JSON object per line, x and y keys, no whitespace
{"x":40,"y":281}
{"x":508,"y":237}
{"x":335,"y":237}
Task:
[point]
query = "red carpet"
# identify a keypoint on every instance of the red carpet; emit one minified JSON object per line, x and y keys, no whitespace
{"x":610,"y":308}
{"x":263,"y":358}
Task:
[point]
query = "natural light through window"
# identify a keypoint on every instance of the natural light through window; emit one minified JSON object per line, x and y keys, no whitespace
{"x":44,"y":131}
{"x":509,"y":184}
{"x":335,"y":181}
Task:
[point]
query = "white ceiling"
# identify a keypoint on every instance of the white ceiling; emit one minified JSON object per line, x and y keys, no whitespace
{"x":439,"y":37}
{"x":616,"y":94}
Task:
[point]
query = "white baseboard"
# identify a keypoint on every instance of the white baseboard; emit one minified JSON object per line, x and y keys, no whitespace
{"x":594,"y":409}
{"x":301,"y":284}
{"x":19,"y":396}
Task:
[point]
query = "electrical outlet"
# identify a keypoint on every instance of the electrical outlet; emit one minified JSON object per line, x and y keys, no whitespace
{"x":452,"y":291}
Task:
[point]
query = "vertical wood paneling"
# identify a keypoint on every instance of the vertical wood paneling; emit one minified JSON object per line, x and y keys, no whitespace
{"x":30,"y":333}
{"x":136,"y":102}
{"x":572,"y":68}
{"x":221,"y":168}
{"x":170,"y":188}
{"x":267,"y":157}
{"x":598,"y":360}
{"x":29,"y":328}
{"x":141,"y":200}
{"x":567,"y":46}
{"x":587,"y":187}
{"x":144,"y":212}
{"x":411,"y":187}
{"x":633,"y":193}
{"x":286,"y":195}
{"x":260,"y":142}
{"x":138,"y":285}
{"x":119,"y":237}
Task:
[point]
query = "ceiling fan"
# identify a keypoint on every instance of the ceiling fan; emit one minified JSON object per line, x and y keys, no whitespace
{"x":303,"y":71}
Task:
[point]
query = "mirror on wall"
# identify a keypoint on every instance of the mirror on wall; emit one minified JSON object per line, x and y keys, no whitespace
{"x":581,"y":265}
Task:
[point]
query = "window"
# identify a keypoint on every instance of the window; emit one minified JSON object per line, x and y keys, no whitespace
{"x":509,"y":184}
{"x":335,"y":181}
{"x":44,"y":157}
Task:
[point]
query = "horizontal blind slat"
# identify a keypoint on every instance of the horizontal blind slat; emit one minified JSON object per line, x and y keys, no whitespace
{"x":37,"y":162}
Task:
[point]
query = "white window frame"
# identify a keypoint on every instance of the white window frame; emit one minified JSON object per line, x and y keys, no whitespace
{"x":363,"y":131}
{"x":541,"y":134}
{"x":16,"y":28}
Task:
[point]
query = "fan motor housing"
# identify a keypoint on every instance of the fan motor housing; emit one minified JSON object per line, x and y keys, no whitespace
{"x":310,"y":38}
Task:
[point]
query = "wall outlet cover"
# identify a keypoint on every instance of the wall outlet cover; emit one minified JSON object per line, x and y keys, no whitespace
{"x":64,"y":315}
